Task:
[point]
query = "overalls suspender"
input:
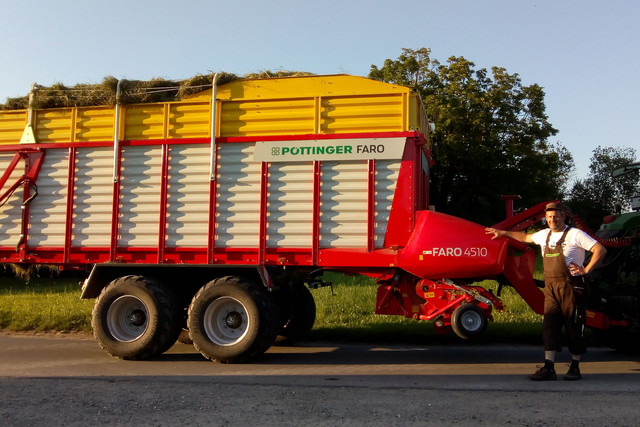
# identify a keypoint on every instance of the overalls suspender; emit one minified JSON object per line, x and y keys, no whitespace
{"x":554,"y":262}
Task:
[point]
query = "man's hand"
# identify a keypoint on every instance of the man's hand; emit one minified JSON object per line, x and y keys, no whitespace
{"x":576,"y":270}
{"x":496,"y":233}
{"x":598,"y":252}
{"x":517,"y":235}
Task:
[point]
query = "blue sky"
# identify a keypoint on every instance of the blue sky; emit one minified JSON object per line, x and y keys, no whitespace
{"x":585,"y":54}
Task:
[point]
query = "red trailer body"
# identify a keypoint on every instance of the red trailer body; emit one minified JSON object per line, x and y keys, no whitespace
{"x":141,"y":194}
{"x":181,"y":232}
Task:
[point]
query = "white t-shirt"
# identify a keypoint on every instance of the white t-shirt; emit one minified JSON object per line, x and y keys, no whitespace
{"x":574,"y":246}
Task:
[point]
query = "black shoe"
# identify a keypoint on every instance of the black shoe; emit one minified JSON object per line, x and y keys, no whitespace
{"x":573,"y":374}
{"x":543,"y":374}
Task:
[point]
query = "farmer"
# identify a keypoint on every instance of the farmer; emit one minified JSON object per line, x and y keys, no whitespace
{"x":563,"y":255}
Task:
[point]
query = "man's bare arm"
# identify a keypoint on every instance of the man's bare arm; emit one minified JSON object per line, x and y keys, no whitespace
{"x":597,"y":255}
{"x":520,"y":236}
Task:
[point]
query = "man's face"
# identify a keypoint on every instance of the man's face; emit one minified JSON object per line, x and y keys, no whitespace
{"x":555,"y":220}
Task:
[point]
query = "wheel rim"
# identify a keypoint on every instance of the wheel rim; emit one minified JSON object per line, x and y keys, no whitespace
{"x":471,"y":321}
{"x":226,"y":321}
{"x":127,"y":318}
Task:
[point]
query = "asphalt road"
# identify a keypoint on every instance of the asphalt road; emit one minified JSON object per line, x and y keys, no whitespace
{"x":54,"y":380}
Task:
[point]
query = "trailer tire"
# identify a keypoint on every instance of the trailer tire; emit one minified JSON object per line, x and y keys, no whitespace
{"x":298,"y":314}
{"x":178,"y":318}
{"x":184,"y":337}
{"x":468,"y":321}
{"x":232,"y":320}
{"x":133,"y":318}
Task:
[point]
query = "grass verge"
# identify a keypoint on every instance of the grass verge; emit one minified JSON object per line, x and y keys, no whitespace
{"x":348,"y":315}
{"x":53,"y":304}
{"x":43,"y":305}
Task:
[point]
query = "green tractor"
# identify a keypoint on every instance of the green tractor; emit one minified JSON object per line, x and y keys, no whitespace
{"x":614,"y":309}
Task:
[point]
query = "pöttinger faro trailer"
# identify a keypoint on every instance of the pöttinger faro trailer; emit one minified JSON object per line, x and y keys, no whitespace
{"x":212,"y":213}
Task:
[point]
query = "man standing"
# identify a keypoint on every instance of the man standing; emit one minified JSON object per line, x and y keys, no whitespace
{"x":563,"y":254}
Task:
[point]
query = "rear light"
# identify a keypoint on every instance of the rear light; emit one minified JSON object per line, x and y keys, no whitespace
{"x":609,"y":219}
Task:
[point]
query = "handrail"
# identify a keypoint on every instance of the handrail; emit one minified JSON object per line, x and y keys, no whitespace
{"x":212,"y":158}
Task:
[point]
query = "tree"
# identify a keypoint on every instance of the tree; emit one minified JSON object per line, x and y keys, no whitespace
{"x":491,"y":135}
{"x":597,"y":195}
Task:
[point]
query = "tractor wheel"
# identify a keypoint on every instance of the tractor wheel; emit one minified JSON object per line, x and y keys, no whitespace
{"x":232,"y":320}
{"x":133,"y":318}
{"x":298,"y":314}
{"x":468,"y":321}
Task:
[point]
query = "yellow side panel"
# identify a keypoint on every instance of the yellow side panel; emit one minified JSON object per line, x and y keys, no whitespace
{"x":354,"y":114}
{"x":170,"y":120}
{"x":268,"y":117}
{"x":62,"y":125}
{"x":315,"y":105}
{"x":94,"y":124}
{"x":190,"y":120}
{"x":417,"y":117}
{"x":351,"y":114}
{"x":282,"y":106}
{"x":301,"y":87}
{"x":12,"y":123}
{"x":54,"y":125}
{"x":144,"y":121}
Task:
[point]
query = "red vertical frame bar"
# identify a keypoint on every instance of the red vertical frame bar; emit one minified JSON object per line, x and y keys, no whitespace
{"x":33,"y":163}
{"x":264,"y":194}
{"x":68,"y":230}
{"x":417,"y":175}
{"x":402,"y":214}
{"x":113,"y":250}
{"x":164,"y":186}
{"x":371,"y":204}
{"x":317,"y":174}
{"x":412,"y":165}
{"x":26,"y":194}
{"x":213,"y":194}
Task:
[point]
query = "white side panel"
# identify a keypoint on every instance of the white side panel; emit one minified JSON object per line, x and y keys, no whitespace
{"x":93,"y":193}
{"x":10,"y":211}
{"x":343,"y":204}
{"x":386,"y":180}
{"x":140,"y":190}
{"x":47,"y":212}
{"x":290,"y":205}
{"x":238,"y":196}
{"x":188,"y":196}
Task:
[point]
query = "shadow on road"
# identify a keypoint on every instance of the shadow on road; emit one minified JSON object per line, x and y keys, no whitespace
{"x":310,"y":353}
